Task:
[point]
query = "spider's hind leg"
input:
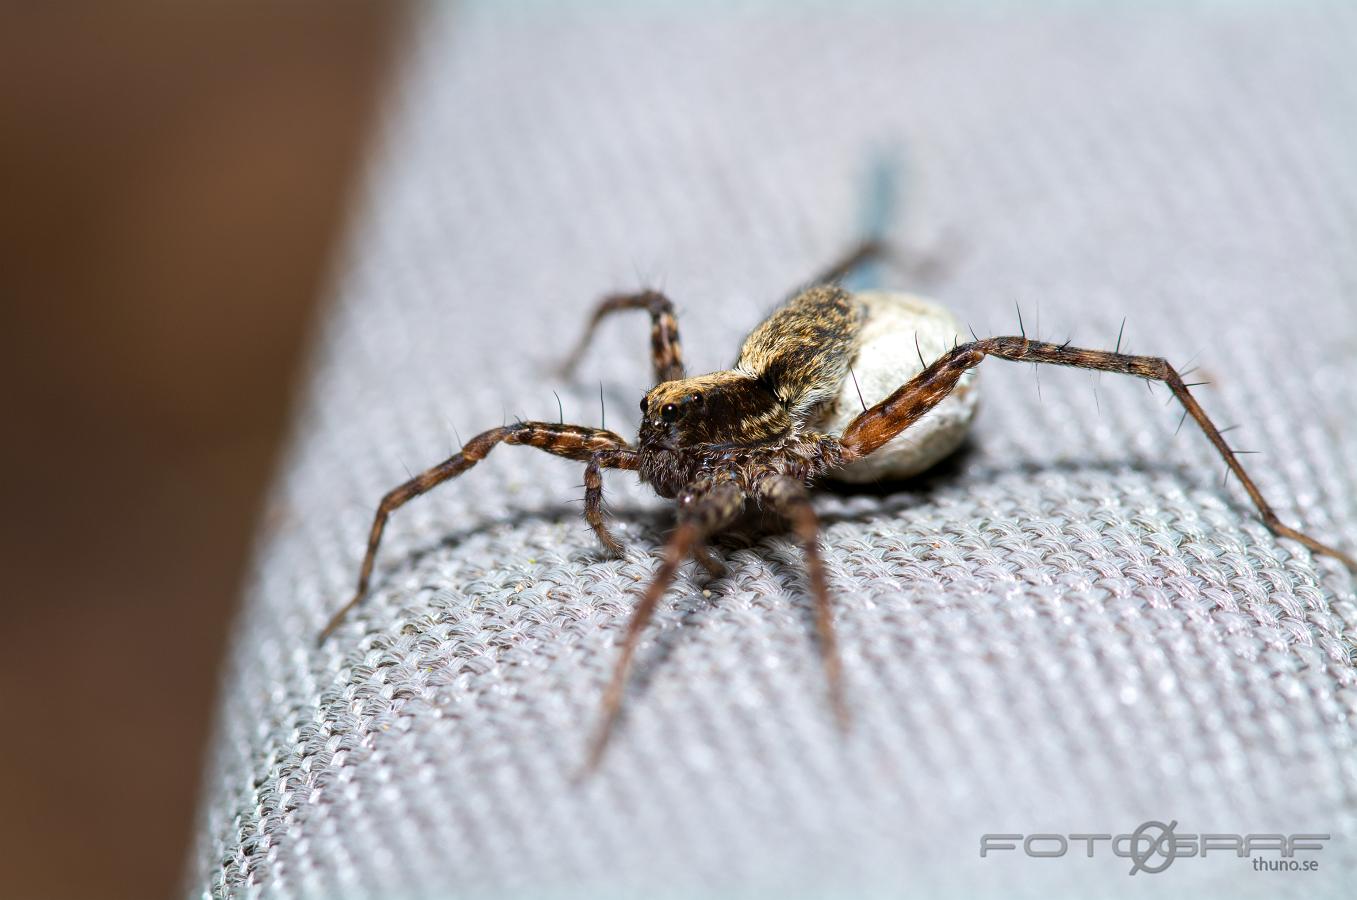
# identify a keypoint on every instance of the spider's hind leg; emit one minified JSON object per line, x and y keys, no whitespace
{"x":864,"y":253}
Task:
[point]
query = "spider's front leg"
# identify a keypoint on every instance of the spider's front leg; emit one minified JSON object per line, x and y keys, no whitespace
{"x":789,"y":498}
{"x":876,"y":426}
{"x":592,"y":445}
{"x":703,"y":511}
{"x":666,"y":351}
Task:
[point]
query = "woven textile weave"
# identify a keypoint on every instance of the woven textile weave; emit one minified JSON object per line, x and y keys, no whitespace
{"x":1074,"y":627}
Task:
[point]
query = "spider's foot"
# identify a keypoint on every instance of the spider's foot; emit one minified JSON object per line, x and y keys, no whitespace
{"x":338,"y":619}
{"x":715,"y":568}
{"x":597,"y":745}
{"x":612,"y":548}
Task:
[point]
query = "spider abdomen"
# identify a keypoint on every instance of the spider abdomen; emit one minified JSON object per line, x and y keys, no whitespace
{"x":802,"y":351}
{"x":886,"y":357}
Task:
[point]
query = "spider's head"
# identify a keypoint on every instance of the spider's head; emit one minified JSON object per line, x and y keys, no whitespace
{"x":721,"y":408}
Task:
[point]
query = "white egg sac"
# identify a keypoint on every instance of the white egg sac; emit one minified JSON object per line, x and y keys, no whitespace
{"x":887,"y":357}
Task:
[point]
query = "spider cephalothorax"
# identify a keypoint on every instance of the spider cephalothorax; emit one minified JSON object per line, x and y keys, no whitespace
{"x":782,"y":417}
{"x":721,"y":408}
{"x":752,"y":421}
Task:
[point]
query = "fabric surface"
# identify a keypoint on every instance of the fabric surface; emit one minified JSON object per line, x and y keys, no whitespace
{"x":1073,"y":627}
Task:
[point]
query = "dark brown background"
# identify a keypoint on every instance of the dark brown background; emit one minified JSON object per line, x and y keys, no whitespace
{"x":172,"y":181}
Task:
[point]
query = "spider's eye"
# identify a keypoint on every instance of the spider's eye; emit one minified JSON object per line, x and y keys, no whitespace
{"x":694,"y":398}
{"x":669,"y":412}
{"x":645,"y":404}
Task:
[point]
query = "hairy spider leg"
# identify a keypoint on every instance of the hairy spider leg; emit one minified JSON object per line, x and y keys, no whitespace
{"x":570,"y":441}
{"x":875,"y":427}
{"x":666,"y":351}
{"x":870,"y":252}
{"x":715,"y":568}
{"x":593,"y":493}
{"x":789,"y":498}
{"x":867,"y":251}
{"x":703,"y":510}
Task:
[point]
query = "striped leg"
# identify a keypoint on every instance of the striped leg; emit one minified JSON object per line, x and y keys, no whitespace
{"x":903,"y":408}
{"x":666,"y":351}
{"x":790,"y":499}
{"x":702,"y":512}
{"x":593,"y":493}
{"x":571,"y":441}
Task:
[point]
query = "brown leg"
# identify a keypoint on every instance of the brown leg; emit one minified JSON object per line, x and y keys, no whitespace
{"x":593,"y":502}
{"x":570,"y":441}
{"x":666,"y":352}
{"x":928,"y":267}
{"x":701,"y":513}
{"x":903,"y":408}
{"x":715,"y":568}
{"x":865,"y":252}
{"x":790,"y":499}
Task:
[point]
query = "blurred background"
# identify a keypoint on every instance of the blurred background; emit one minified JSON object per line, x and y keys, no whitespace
{"x":173,"y":177}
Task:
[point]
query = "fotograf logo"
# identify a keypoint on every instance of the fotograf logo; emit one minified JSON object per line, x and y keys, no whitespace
{"x":1153,"y":846}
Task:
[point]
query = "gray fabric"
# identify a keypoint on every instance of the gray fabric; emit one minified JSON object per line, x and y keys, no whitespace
{"x":1074,"y":628}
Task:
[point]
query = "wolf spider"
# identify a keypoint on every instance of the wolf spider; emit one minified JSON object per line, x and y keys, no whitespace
{"x":720,"y":441}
